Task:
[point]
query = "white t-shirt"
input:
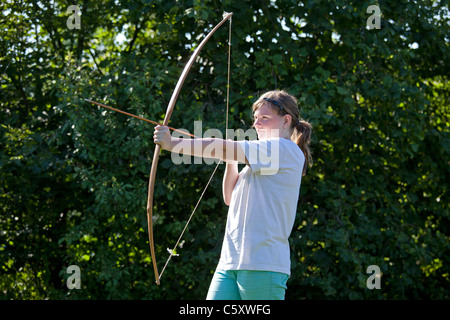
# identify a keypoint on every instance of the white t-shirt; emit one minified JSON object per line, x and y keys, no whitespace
{"x":263,"y":206}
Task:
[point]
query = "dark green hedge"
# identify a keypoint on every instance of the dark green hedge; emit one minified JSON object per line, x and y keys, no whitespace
{"x":73,"y":179}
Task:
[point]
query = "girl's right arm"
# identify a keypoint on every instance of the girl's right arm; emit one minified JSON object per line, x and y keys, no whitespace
{"x":230,"y":178}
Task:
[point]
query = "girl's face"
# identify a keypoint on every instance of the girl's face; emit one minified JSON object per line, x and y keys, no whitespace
{"x":268,"y":124}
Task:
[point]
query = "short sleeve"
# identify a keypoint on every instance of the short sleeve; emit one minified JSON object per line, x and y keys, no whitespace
{"x":263,"y":155}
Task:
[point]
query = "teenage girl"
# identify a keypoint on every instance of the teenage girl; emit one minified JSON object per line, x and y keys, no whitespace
{"x":262,"y":198}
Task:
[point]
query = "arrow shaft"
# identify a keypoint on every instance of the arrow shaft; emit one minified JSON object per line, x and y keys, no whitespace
{"x":137,"y":117}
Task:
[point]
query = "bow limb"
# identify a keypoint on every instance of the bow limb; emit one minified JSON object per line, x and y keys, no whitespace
{"x":169,"y":111}
{"x":151,"y":186}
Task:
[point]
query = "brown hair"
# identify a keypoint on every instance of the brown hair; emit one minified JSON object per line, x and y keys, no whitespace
{"x":283,"y":103}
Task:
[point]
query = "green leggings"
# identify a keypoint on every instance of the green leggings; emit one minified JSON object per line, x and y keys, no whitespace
{"x":247,"y":285}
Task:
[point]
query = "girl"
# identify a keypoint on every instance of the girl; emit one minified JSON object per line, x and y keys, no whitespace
{"x":262,"y":198}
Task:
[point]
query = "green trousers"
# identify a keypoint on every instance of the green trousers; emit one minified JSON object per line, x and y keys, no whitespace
{"x":247,"y":285}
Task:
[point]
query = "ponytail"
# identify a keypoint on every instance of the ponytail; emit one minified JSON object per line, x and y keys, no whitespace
{"x":302,"y":137}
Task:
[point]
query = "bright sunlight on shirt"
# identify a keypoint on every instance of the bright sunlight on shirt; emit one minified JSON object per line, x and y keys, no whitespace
{"x":263,"y":207}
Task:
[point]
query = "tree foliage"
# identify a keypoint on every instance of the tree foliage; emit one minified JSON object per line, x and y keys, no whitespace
{"x":74,"y":177}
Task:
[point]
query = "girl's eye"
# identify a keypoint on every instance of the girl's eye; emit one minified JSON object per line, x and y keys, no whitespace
{"x":260,"y":118}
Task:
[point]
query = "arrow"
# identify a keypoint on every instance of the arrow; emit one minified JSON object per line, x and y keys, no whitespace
{"x":137,"y":117}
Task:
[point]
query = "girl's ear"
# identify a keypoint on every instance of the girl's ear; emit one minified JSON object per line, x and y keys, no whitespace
{"x":287,"y":121}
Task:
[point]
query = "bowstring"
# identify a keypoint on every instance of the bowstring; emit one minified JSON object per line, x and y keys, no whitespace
{"x":228,"y":81}
{"x":172,"y":252}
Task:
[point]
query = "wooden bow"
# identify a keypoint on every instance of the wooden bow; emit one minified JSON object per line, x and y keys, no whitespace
{"x":173,"y":99}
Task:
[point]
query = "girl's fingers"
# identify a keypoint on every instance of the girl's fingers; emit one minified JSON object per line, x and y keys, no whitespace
{"x":159,"y":133}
